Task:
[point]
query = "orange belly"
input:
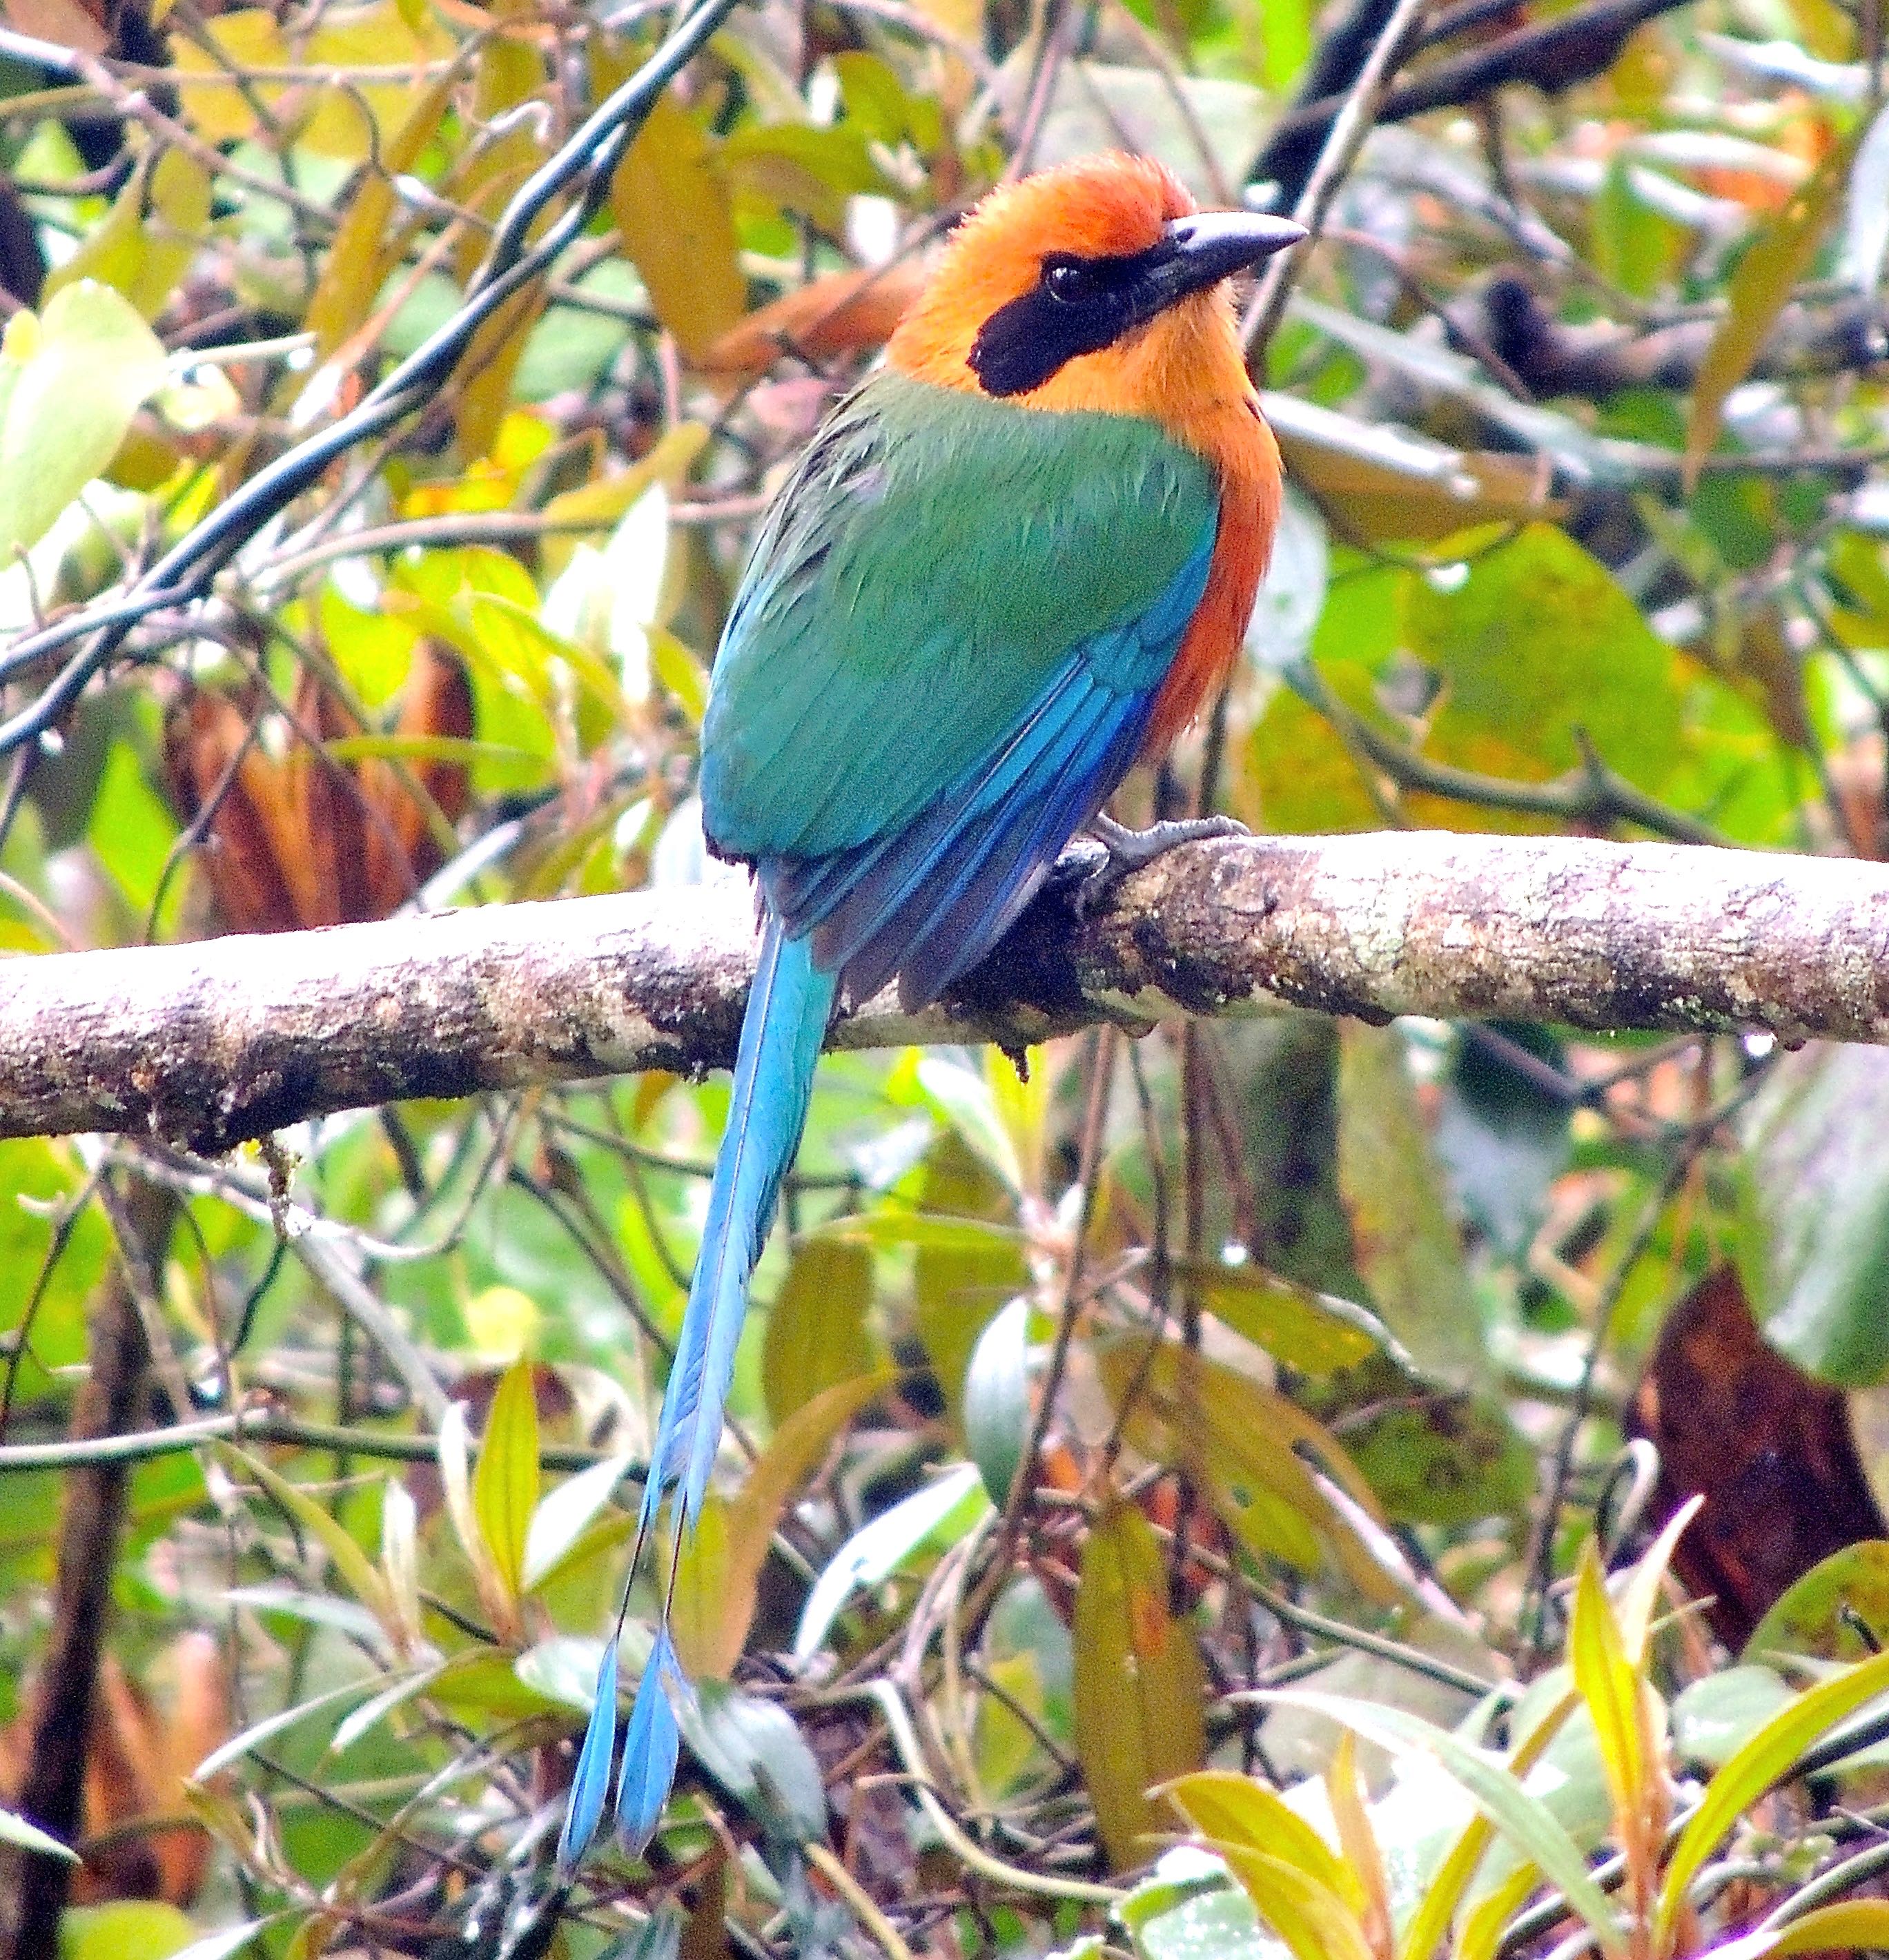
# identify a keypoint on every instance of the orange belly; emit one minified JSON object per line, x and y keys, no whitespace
{"x":1246,"y":459}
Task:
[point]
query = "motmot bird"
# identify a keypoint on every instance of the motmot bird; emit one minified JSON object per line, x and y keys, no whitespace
{"x":1014,"y":561}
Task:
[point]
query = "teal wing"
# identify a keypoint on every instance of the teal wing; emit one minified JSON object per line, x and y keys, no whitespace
{"x":941,"y":662}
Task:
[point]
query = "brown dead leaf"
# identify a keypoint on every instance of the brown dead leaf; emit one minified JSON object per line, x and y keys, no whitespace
{"x":65,"y":23}
{"x":1770,"y":1449}
{"x":842,"y":313}
{"x":304,"y":839}
{"x":141,"y":1748}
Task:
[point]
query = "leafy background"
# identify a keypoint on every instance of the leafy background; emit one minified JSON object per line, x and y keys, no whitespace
{"x":1357,"y":1355}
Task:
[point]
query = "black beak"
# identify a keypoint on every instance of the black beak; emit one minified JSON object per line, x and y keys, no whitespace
{"x":1200,"y":251}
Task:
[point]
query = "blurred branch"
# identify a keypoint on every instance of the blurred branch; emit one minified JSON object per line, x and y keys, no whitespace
{"x":1548,"y":357}
{"x":229,"y":1038}
{"x":1552,"y":56}
{"x":34,"y":1887}
{"x":1592,"y":794}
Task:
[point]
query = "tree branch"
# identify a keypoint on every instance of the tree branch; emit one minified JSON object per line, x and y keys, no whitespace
{"x":1553,"y":56}
{"x":229,"y":1038}
{"x":1551,"y":356}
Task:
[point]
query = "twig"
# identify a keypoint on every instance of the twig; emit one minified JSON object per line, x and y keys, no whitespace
{"x":1349,"y":128}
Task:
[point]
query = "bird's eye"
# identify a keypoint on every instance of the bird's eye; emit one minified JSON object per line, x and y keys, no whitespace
{"x":1068,"y":281}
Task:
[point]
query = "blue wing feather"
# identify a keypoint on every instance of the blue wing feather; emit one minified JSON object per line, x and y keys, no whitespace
{"x":928,"y":901}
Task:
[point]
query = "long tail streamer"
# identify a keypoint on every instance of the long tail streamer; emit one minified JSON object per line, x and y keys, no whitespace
{"x":787,"y":1013}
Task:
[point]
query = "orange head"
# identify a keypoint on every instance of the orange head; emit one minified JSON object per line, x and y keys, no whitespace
{"x":1097,"y":286}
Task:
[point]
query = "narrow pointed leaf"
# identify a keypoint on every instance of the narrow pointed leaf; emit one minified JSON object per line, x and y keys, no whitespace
{"x":1527,"y":1823}
{"x":1759,"y":290}
{"x":14,"y":1829}
{"x":1608,"y":1685}
{"x":505,"y":1485}
{"x":357,"y":1570}
{"x":1753,"y":1769}
{"x":1140,"y":1690}
{"x":1315,"y":1924}
{"x":563,"y":1513}
{"x":1239,"y":1810}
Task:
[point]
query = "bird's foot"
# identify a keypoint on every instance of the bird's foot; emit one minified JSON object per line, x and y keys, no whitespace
{"x":1129,"y":850}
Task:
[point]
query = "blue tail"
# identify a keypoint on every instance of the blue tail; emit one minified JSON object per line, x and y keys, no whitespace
{"x":788,"y":1010}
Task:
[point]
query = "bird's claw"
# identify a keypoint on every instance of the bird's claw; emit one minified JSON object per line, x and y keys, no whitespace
{"x":1129,"y":850}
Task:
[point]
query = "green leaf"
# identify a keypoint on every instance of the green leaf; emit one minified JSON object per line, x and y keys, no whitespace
{"x":239,"y":1746}
{"x":126,"y":1930}
{"x":1759,"y":290}
{"x":221,"y":1945}
{"x":1526,"y":1822}
{"x":70,"y":382}
{"x":1537,"y":646}
{"x":362,"y":1577}
{"x":1407,"y":1245}
{"x":562,"y":1515}
{"x":941,"y":1514}
{"x":1818,"y":1615}
{"x":996,"y":1402}
{"x":1752,"y":1770}
{"x":505,"y":1484}
{"x":965,"y":1097}
{"x":1316,"y":1333}
{"x":817,"y":1335}
{"x":1190,"y":1910}
{"x":959,"y":1284}
{"x":1713,"y":1717}
{"x":1140,"y":1689}
{"x":1813,"y":1250}
{"x":751,"y":1748}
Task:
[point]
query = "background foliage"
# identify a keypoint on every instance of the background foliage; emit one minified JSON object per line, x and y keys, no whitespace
{"x":1356,"y":1355}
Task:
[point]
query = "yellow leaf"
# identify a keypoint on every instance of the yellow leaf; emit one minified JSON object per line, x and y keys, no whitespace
{"x":797,"y":1449}
{"x":212,"y":105}
{"x":1311,"y":1921}
{"x":816,"y":1332}
{"x":1618,"y":1700}
{"x":1139,"y":1691}
{"x":149,"y":237}
{"x":672,"y":207}
{"x":1758,"y":292}
{"x":702,"y":1584}
{"x":1240,"y":1810}
{"x":1850,"y":1924}
{"x":364,"y":251}
{"x":505,"y":1484}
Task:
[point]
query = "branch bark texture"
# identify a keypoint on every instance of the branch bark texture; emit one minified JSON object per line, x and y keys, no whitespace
{"x":211,"y":1043}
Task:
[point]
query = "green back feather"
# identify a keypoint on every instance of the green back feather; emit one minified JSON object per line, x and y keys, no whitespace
{"x":935,"y":558}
